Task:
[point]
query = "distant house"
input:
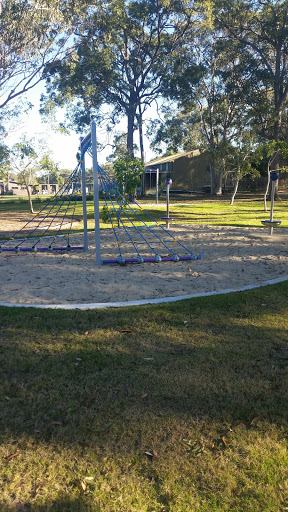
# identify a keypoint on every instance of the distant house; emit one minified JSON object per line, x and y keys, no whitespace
{"x":189,"y":172}
{"x":12,"y":187}
{"x":44,"y":188}
{"x":18,"y":189}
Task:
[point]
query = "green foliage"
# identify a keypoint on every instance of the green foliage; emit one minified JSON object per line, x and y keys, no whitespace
{"x":49,"y":169}
{"x":29,"y":42}
{"x":24,"y":159}
{"x":4,"y":160}
{"x":128,"y":173}
{"x":259,"y":29}
{"x":179,"y":131}
{"x":122,"y":54}
{"x":105,"y":215}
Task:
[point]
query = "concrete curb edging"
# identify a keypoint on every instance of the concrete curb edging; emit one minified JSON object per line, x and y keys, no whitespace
{"x":162,"y":300}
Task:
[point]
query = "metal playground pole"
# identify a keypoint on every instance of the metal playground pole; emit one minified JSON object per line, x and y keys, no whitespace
{"x":96,"y":193}
{"x":84,"y":203}
{"x":157,"y":186}
{"x":271,"y":223}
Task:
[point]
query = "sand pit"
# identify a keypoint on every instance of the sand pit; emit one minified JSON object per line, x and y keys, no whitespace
{"x":234,"y":258}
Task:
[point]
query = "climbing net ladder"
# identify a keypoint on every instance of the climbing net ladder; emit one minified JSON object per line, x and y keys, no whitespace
{"x":52,"y":225}
{"x":136,"y":231}
{"x":138,"y":237}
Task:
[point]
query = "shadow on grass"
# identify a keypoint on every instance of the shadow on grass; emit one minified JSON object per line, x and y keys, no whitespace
{"x":72,"y":369}
{"x":62,"y":504}
{"x":91,"y":391}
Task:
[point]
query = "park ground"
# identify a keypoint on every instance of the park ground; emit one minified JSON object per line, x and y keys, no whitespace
{"x":179,"y":407}
{"x":247,"y":211}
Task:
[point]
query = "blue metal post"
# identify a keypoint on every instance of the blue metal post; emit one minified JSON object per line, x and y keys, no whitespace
{"x":84,"y":203}
{"x":96,"y":193}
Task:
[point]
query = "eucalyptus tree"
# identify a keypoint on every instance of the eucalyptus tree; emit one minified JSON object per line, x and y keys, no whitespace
{"x":207,"y":80}
{"x":33,"y":34}
{"x":123,"y":51}
{"x":260,"y":28}
{"x":4,"y":163}
{"x":49,"y":170}
{"x":177,"y":131}
{"x":24,"y":162}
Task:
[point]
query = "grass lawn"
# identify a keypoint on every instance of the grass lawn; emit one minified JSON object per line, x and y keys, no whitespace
{"x":247,"y":211}
{"x":175,"y":408}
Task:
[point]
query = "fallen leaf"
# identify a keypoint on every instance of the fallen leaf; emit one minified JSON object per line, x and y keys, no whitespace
{"x":89,"y":479}
{"x":87,"y":332}
{"x":144,"y":395}
{"x":151,"y":455}
{"x":13,"y":455}
{"x":126,"y":331}
{"x":81,"y":486}
{"x":224,"y":441}
{"x":219,"y":457}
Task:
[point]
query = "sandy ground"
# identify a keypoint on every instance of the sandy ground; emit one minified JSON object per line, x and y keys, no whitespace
{"x":234,"y":257}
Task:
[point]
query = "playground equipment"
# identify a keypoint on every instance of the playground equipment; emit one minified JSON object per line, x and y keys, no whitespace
{"x":156,"y":173}
{"x":52,"y":224}
{"x":168,"y":218}
{"x":271,"y":223}
{"x":139,"y":238}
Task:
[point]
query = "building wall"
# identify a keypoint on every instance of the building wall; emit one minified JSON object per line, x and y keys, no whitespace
{"x":191,"y":172}
{"x":20,"y":190}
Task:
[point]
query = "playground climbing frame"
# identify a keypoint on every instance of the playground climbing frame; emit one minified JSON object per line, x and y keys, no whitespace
{"x":138,"y":237}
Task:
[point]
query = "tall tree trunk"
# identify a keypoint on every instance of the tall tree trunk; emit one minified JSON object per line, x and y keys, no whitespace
{"x":131,"y":114}
{"x":29,"y":193}
{"x":141,"y":142}
{"x":276,"y":133}
{"x":212,"y":177}
{"x":130,"y":135}
{"x":215,"y":180}
{"x":218,"y":184}
{"x":236,"y":184}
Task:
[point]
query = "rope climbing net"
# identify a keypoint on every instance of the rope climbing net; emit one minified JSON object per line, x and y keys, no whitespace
{"x":136,"y":231}
{"x":50,"y":228}
{"x":138,"y":237}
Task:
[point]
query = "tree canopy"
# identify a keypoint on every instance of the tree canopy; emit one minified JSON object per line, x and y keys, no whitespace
{"x":124,"y":50}
{"x":219,"y":68}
